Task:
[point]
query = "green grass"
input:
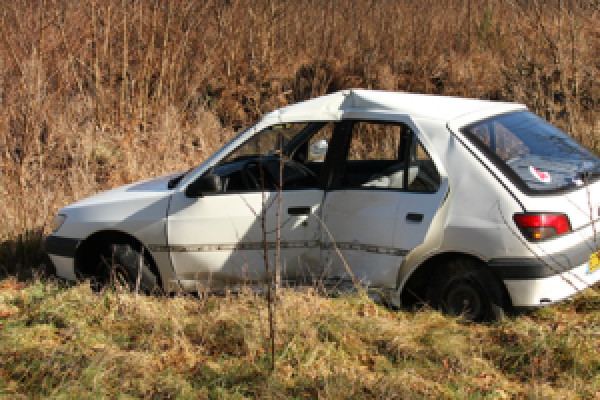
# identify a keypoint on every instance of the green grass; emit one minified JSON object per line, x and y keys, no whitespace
{"x":70,"y":342}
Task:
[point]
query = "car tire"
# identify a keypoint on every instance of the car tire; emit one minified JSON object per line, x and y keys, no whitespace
{"x":463,"y":287}
{"x":125,"y":259}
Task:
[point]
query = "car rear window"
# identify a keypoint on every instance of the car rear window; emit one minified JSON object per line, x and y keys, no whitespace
{"x":536,"y":155}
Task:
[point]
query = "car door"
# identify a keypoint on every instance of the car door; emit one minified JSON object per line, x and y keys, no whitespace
{"x":218,"y":238}
{"x":380,"y":202}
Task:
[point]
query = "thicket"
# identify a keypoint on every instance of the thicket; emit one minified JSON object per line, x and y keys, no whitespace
{"x":100,"y":93}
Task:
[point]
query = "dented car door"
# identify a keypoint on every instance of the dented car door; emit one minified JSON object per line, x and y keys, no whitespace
{"x":380,"y":203}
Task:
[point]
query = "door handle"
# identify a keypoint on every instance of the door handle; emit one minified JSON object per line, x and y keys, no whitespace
{"x":414,"y":217}
{"x":299,"y":210}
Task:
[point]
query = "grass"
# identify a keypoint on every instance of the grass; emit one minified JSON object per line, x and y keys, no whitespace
{"x":97,"y":95}
{"x":71,"y":342}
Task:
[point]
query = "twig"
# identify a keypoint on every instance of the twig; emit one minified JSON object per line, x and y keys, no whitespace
{"x":263,"y":217}
{"x":139,"y":275}
{"x":355,"y":281}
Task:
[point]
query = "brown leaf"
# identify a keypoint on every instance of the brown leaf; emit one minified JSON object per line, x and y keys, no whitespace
{"x":5,"y":314}
{"x":446,"y":364}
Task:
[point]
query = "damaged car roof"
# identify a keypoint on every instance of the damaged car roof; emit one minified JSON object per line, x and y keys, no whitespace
{"x":342,"y":104}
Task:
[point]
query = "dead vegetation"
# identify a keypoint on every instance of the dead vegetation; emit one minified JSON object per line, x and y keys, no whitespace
{"x":97,"y":95}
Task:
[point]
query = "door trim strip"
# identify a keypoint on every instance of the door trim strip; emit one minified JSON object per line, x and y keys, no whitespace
{"x":296,"y":244}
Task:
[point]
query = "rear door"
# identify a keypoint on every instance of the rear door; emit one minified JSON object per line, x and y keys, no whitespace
{"x":380,"y":203}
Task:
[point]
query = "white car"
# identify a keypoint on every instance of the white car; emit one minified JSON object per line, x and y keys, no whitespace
{"x":475,"y":206}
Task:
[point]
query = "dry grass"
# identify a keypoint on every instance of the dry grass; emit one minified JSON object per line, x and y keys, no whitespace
{"x":99,"y":94}
{"x":74,"y":343}
{"x":96,"y":95}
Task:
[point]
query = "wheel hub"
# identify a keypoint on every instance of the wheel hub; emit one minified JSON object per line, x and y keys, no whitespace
{"x":464,"y":299}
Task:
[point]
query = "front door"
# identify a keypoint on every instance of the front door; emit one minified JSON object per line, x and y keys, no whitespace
{"x":219,"y":238}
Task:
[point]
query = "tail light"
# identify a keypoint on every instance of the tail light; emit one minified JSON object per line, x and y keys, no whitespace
{"x":542,"y":226}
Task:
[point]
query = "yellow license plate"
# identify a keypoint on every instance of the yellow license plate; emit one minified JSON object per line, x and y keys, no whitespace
{"x":594,"y":263}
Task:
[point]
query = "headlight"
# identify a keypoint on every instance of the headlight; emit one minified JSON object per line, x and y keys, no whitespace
{"x":58,"y":222}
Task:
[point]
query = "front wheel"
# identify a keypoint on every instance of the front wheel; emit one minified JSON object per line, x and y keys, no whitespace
{"x":122,"y":262}
{"x":462,"y":287}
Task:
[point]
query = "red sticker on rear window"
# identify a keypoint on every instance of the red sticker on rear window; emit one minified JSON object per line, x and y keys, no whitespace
{"x":540,"y":175}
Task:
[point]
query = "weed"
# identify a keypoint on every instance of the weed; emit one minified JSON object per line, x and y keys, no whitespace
{"x":57,"y":341}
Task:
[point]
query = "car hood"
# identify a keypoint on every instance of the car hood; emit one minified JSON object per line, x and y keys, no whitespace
{"x":149,"y":188}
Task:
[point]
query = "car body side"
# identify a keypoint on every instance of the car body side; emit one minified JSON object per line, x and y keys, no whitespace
{"x":475,"y":219}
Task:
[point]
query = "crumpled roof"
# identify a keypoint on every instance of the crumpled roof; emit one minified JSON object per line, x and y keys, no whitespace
{"x":334,"y":106}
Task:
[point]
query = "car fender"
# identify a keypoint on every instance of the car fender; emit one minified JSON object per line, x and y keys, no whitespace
{"x":430,"y":246}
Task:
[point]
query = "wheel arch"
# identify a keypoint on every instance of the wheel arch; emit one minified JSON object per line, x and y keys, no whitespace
{"x":414,"y":287}
{"x":88,"y":248}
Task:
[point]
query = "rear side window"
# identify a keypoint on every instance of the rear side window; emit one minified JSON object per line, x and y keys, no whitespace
{"x":388,"y":156}
{"x":536,"y":155}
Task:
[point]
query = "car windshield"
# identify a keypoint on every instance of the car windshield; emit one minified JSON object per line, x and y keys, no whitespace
{"x":534,"y":153}
{"x":267,"y":143}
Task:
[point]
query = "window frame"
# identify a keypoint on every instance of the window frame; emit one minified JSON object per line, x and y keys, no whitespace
{"x":407,"y":156}
{"x":290,"y":150}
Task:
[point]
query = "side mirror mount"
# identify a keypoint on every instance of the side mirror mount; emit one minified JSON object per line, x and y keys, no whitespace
{"x":210,"y":183}
{"x":317,"y":150}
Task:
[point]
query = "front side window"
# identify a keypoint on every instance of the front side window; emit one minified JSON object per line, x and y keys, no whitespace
{"x":267,"y":143}
{"x":536,"y":155}
{"x":276,"y":158}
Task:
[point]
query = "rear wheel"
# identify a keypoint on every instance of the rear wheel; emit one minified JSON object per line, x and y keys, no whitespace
{"x":462,"y":287}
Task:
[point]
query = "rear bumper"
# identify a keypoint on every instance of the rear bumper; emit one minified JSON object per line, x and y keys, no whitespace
{"x":61,"y":251}
{"x":532,"y":282}
{"x":550,"y":290}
